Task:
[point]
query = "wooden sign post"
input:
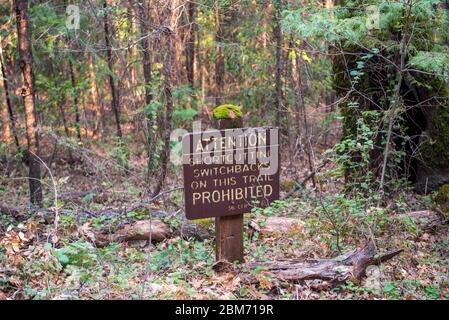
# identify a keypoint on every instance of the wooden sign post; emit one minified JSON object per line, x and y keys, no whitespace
{"x":226,"y":173}
{"x":229,"y":229}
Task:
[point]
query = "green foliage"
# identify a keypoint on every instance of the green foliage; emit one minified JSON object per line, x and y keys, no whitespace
{"x":177,"y":255}
{"x":78,"y":253}
{"x":184,"y":115}
{"x":391,"y":290}
{"x":434,"y":62}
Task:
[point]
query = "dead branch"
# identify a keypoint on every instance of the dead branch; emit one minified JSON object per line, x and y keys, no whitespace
{"x":337,"y":270}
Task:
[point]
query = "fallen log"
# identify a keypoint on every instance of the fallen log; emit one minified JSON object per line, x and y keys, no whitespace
{"x":350,"y":266}
{"x":276,"y":226}
{"x":151,"y":230}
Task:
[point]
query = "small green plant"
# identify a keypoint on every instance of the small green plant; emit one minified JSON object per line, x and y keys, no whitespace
{"x":78,"y":253}
{"x":432,"y":292}
{"x":391,"y":290}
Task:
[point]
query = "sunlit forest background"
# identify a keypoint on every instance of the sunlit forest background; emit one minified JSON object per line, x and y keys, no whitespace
{"x":91,"y":207}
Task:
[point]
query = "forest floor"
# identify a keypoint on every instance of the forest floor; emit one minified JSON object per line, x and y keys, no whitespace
{"x":41,"y":259}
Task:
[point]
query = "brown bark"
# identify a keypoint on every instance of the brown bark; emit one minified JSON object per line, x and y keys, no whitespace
{"x":142,"y":12}
{"x":351,"y":266}
{"x":301,"y":110}
{"x":190,"y":48}
{"x":151,"y":230}
{"x":143,"y":17}
{"x":229,"y":229}
{"x":133,"y":53}
{"x":7,"y":112}
{"x":277,"y":9}
{"x":75,"y":99}
{"x":6,"y":133}
{"x":219,"y":59}
{"x":97,"y":107}
{"x":27,"y":92}
{"x":114,"y":93}
{"x":168,"y":84}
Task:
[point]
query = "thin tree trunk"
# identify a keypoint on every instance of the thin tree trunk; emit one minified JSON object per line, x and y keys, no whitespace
{"x":167,"y":73}
{"x":114,"y":93}
{"x":6,"y":135}
{"x":190,"y":48}
{"x":7,"y":109}
{"x":201,"y":54}
{"x":27,"y":92}
{"x":132,"y":22}
{"x":75,"y":99}
{"x":143,"y":16}
{"x":300,"y":102}
{"x":219,"y":59}
{"x":391,"y":115}
{"x":277,"y":9}
{"x":142,"y":12}
{"x":97,"y":107}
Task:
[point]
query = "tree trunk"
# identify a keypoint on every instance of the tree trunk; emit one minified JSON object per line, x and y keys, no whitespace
{"x":219,"y":59}
{"x":167,"y":73}
{"x":27,"y":92}
{"x":75,"y":99}
{"x":114,"y":93}
{"x":9,"y":123}
{"x":277,"y":9}
{"x":143,"y":16}
{"x":301,"y":110}
{"x":133,"y":54}
{"x":6,"y":135}
{"x":142,"y":12}
{"x":190,"y":48}
{"x":97,"y":107}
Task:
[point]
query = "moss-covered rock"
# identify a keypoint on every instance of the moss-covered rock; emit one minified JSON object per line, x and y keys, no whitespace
{"x":227,"y":111}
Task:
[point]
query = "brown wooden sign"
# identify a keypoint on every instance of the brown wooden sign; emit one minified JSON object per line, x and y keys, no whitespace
{"x":228,"y":172}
